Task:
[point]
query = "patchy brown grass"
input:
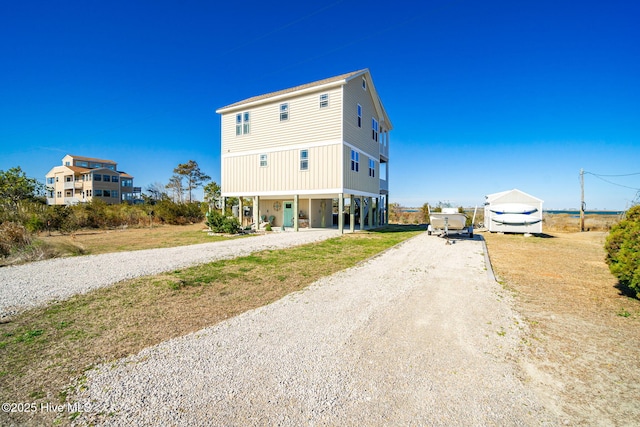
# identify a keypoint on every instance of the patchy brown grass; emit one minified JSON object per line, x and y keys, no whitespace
{"x":566,"y":222}
{"x":43,"y":349}
{"x":129,"y":239}
{"x":582,"y":351}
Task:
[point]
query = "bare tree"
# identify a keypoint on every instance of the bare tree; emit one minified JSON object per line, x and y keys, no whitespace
{"x":156,"y":191}
{"x":176,"y":188}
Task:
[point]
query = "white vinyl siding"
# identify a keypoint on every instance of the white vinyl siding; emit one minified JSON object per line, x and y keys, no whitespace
{"x":283,"y":173}
{"x":359,"y":137}
{"x":309,"y":124}
{"x":358,"y":180}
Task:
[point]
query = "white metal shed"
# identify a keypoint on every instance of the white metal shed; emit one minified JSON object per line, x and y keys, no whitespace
{"x":513,"y":211}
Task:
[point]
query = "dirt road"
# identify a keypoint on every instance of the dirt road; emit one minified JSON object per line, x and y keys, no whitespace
{"x":419,"y":335}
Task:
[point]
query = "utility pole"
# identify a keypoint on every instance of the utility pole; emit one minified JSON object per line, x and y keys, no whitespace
{"x":581,"y":199}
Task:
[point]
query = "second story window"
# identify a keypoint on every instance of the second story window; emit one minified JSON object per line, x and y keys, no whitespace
{"x":243,"y":123}
{"x":284,"y":112}
{"x":364,"y":83}
{"x":97,"y":177}
{"x":359,"y":115}
{"x":304,"y":160}
{"x":246,"y":123}
{"x":324,"y":100}
{"x":355,"y":161}
{"x":263,"y":160}
{"x":372,"y":168}
{"x":374,"y":129}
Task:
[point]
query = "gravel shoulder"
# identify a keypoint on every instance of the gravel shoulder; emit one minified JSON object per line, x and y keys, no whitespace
{"x":419,"y":335}
{"x":37,"y":283}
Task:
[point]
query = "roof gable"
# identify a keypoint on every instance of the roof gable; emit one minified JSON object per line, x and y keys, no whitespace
{"x":491,"y":198}
{"x":341,"y":79}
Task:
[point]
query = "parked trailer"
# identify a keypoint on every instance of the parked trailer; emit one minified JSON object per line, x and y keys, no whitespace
{"x":449,"y":222}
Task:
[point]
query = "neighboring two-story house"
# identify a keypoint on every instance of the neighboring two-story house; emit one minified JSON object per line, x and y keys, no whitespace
{"x":299,"y":151}
{"x":81,"y":179}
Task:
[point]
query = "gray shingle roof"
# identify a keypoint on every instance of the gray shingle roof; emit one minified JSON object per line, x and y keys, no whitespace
{"x":296,"y":88}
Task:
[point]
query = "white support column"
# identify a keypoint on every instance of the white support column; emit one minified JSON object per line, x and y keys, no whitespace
{"x":296,"y":207}
{"x":361,"y":213}
{"x":352,"y":213}
{"x":240,"y":213}
{"x":341,"y":213}
{"x":256,"y":212}
{"x":370,"y":213}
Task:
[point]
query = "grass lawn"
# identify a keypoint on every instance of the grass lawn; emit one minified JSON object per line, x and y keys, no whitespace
{"x":42,"y":349}
{"x":582,"y":350}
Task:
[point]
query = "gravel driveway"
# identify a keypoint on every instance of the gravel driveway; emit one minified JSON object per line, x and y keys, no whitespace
{"x":419,"y":335}
{"x":36,"y":283}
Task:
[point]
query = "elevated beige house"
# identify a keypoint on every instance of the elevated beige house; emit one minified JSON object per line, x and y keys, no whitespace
{"x":81,"y":179}
{"x":298,"y":152}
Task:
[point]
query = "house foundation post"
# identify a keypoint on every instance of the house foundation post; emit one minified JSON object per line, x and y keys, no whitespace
{"x":370,"y":213}
{"x":361,"y":213}
{"x":240,"y":213}
{"x":385,"y":215}
{"x":341,"y":213}
{"x":256,"y":212}
{"x":376,"y":214}
{"x":296,"y":207}
{"x":352,"y":213}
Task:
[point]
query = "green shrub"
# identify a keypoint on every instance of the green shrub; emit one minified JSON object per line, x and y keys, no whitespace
{"x":623,"y":250}
{"x":222,"y":224}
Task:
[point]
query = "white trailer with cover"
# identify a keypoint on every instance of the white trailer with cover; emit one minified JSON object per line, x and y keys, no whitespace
{"x":513,"y":211}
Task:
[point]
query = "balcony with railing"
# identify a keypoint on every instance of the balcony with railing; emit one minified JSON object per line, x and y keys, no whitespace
{"x":384,"y":146}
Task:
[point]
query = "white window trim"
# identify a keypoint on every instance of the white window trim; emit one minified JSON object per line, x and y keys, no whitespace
{"x":304,"y":160}
{"x":324,"y":103}
{"x":355,"y":160}
{"x":359,"y":113}
{"x":284,"y":112}
{"x":264,"y":158}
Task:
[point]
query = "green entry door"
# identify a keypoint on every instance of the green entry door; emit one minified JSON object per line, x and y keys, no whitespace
{"x":288,"y":213}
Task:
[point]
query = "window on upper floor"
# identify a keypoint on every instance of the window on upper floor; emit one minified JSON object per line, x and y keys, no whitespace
{"x":238,"y":124}
{"x":115,"y":178}
{"x":97,"y":192}
{"x":243,"y":123}
{"x":359,"y":115}
{"x":106,"y":178}
{"x":95,"y":165}
{"x":324,"y":100}
{"x":304,"y":160}
{"x":67,"y":163}
{"x":374,"y":129}
{"x":372,"y":168}
{"x":82,"y":163}
{"x":355,"y":161}
{"x":246,"y":123}
{"x":284,"y":112}
{"x":364,"y":83}
{"x":50,"y":180}
{"x":263,"y":160}
{"x":97,"y":177}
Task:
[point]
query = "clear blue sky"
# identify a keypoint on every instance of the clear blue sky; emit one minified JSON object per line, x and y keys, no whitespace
{"x":484,"y":96}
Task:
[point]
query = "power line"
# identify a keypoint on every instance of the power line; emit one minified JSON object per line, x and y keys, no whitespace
{"x":625,"y":174}
{"x":600,"y":177}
